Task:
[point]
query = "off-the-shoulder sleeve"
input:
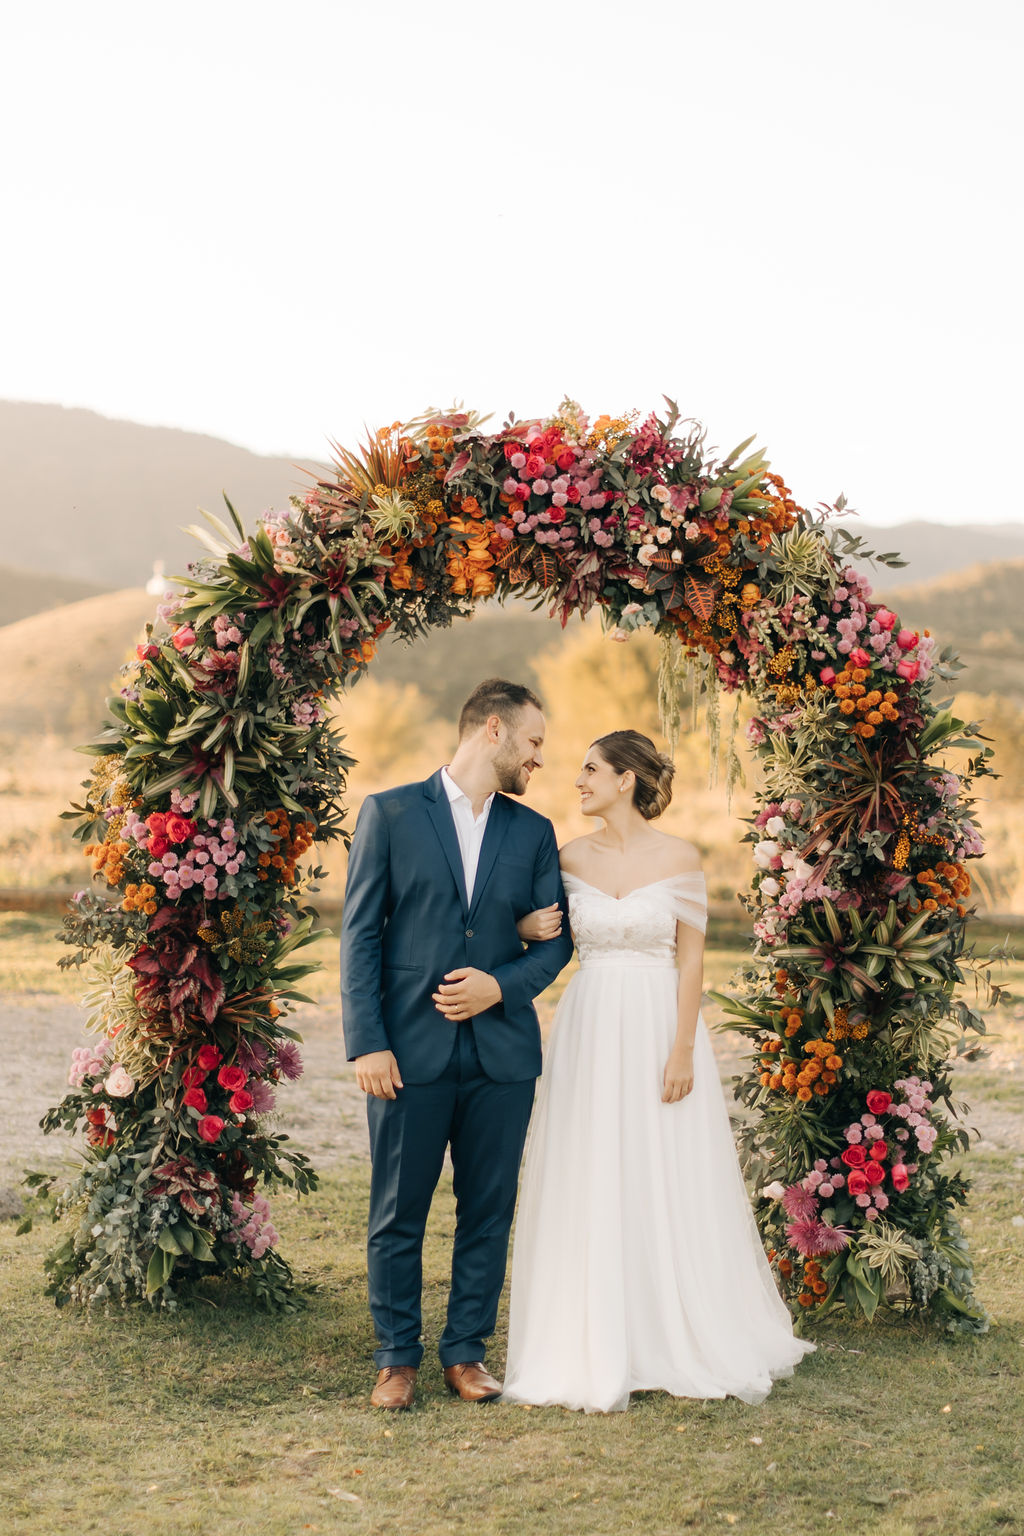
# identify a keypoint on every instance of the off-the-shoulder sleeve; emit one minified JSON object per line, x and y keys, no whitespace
{"x":683,"y":897}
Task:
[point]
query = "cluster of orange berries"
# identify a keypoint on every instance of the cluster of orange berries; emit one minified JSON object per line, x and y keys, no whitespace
{"x":293,"y":840}
{"x":439,"y":443}
{"x":814,"y":1289}
{"x":874,"y":706}
{"x":800,"y":1079}
{"x":948,"y":885}
{"x":109,"y":857}
{"x":139,"y":898}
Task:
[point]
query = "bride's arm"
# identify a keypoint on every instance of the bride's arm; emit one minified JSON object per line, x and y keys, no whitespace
{"x":678,"y":1077}
{"x":544,"y":924}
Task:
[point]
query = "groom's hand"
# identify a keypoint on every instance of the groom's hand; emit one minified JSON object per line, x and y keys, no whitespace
{"x":377,"y":1073}
{"x":466,"y":992}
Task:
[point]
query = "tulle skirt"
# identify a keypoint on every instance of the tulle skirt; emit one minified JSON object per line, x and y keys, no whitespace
{"x":637,"y":1262}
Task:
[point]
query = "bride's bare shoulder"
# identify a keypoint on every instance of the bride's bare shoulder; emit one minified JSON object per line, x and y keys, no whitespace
{"x":572,"y":855}
{"x":680,"y":857}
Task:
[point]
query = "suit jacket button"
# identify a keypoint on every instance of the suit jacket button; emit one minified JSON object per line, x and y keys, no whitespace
{"x":469,"y":933}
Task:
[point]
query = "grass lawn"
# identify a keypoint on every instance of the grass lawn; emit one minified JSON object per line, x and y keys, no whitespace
{"x":217,"y":1420}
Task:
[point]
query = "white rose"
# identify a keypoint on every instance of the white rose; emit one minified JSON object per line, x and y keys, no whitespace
{"x":770,"y":886}
{"x":660,"y":493}
{"x":775,"y":825}
{"x":765,"y":852}
{"x":773,"y":1191}
{"x":803,"y":870}
{"x":120,"y":1083}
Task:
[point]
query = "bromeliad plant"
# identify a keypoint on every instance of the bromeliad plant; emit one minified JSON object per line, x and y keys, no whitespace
{"x":219,"y":770}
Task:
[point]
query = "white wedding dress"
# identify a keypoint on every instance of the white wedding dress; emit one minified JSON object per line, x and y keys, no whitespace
{"x":637,"y":1262}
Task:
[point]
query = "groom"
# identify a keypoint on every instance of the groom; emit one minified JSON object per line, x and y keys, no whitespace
{"x":437,"y":999}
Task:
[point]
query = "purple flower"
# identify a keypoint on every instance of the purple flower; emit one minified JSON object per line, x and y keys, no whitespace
{"x":263,"y":1096}
{"x":289,"y":1060}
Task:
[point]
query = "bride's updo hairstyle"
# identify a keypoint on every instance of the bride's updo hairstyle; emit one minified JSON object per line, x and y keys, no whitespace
{"x":629,"y":751}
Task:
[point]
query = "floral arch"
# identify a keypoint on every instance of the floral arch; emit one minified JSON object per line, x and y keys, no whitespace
{"x":219,"y":771}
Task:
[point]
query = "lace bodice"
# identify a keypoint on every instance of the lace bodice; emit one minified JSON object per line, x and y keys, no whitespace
{"x":636,"y":929}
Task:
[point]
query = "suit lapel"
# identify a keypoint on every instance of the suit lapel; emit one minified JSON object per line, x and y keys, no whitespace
{"x":440,"y":813}
{"x":494,"y":835}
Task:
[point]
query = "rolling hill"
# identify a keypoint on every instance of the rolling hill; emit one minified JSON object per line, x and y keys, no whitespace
{"x":99,"y":501}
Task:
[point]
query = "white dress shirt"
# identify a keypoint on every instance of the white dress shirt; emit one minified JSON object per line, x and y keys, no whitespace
{"x":469,"y":831}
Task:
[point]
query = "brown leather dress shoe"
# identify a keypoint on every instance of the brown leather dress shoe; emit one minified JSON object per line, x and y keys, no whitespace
{"x":395,"y":1387}
{"x":472,"y":1382}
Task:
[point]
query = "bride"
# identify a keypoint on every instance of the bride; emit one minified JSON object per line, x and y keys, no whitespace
{"x":637,"y":1262}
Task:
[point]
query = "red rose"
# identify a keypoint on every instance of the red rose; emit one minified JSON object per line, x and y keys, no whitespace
{"x":857,"y":1183}
{"x":147,"y":652}
{"x":874,"y":1173}
{"x":573,"y":494}
{"x":157,"y":823}
{"x":210,"y":1127}
{"x":534,"y":465}
{"x":900,"y":1176}
{"x":510,"y":449}
{"x":158,"y":846}
{"x":566,"y":459}
{"x":855,"y":1156}
{"x":192,"y":1077}
{"x":183,"y":637}
{"x":879,"y":1101}
{"x":556,"y":515}
{"x":879,"y":1151}
{"x":196,"y":1099}
{"x":209,"y":1056}
{"x":232,"y":1078}
{"x":240,"y":1101}
{"x":179,"y":828}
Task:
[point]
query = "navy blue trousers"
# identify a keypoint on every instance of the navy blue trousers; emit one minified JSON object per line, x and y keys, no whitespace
{"x":485,"y":1125}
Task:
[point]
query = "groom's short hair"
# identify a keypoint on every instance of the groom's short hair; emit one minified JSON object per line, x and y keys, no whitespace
{"x":495,"y":696}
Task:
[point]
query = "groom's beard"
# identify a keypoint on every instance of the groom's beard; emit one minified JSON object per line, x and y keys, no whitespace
{"x":512,"y":773}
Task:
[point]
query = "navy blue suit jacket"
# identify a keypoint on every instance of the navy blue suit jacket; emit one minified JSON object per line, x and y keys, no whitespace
{"x":407,"y":922}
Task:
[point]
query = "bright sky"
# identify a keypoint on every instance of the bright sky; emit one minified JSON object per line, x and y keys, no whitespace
{"x":272,"y":222}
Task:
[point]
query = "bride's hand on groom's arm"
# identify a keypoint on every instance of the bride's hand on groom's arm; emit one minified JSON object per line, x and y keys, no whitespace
{"x":678,"y":1075}
{"x":377,"y":1074}
{"x":539,"y":926}
{"x":466,"y":992}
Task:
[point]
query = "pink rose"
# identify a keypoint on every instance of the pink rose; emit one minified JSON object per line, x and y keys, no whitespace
{"x":884,"y":618}
{"x":827,"y":676}
{"x":209,"y":1056}
{"x":183,"y":638}
{"x":860,"y":657}
{"x":210,"y":1127}
{"x":908,"y":669}
{"x":120,"y":1083}
{"x":232,"y":1078}
{"x":879,"y":1101}
{"x":907,"y":639}
{"x":147,"y":652}
{"x":900,"y":1176}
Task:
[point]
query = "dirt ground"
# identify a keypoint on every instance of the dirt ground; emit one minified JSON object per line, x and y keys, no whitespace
{"x":324,"y":1111}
